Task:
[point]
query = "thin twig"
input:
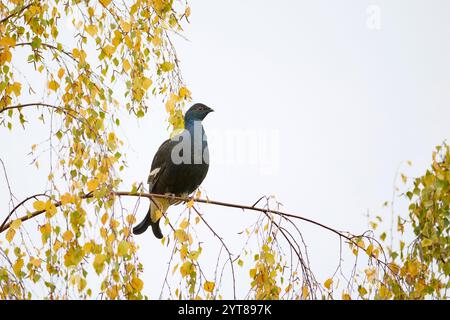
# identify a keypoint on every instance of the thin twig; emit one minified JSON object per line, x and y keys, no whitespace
{"x":16,"y":12}
{"x":224,"y":245}
{"x":18,"y":206}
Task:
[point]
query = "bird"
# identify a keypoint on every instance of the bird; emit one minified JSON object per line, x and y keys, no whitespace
{"x":178,"y":168}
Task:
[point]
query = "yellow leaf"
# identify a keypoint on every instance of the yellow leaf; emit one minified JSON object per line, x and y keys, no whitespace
{"x":105,"y":2}
{"x":16,"y":88}
{"x":16,"y":224}
{"x":328,"y":283}
{"x":104,"y":218}
{"x":45,"y":231}
{"x":187,"y":12}
{"x":131,"y":219}
{"x":394,"y":268}
{"x":68,"y":235}
{"x":190,"y":204}
{"x":126,"y":26}
{"x":166,"y":66}
{"x":404,"y":178}
{"x":361,"y":244}
{"x":346,"y":296}
{"x":181,"y":235}
{"x":184,"y":93}
{"x":184,"y":224}
{"x":112,"y":292}
{"x":39,"y":205}
{"x":183,"y":252}
{"x":413,"y":268}
{"x":384,"y":292}
{"x":305,"y":292}
{"x":269,"y":258}
{"x":362,"y":291}
{"x":126,"y":65}
{"x":111,"y":137}
{"x":91,"y":29}
{"x":10,"y":234}
{"x":88,"y":247}
{"x":35,"y":262}
{"x":50,"y":209}
{"x":426,"y":242}
{"x":17,"y":267}
{"x":57,"y":245}
{"x":76,"y":53}
{"x":53,"y":85}
{"x":103,"y":233}
{"x":170,"y":104}
{"x":208,"y":286}
{"x":128,"y":42}
{"x":92,"y":184}
{"x":146,"y":83}
{"x":369,"y":249}
{"x":5,"y":55}
{"x":7,"y":41}
{"x":137,"y":284}
{"x":186,"y":269}
{"x":67,"y":198}
{"x":82,"y":285}
{"x":99,"y":261}
{"x":370,"y":274}
{"x":195,"y":254}
{"x":288,"y":288}
{"x":122,"y":248}
{"x":156,"y":41}
{"x":109,"y":50}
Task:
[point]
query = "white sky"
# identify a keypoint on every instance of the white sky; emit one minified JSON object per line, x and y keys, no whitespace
{"x":346,"y":105}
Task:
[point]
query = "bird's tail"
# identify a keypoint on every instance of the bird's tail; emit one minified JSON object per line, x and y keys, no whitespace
{"x":141,"y":227}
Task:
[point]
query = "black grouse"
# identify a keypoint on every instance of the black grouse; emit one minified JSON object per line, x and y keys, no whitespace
{"x":178,"y":168}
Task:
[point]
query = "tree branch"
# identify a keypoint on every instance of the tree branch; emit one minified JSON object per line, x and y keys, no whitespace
{"x":48,"y":46}
{"x":19,"y":11}
{"x":41,"y":104}
{"x":31,"y":215}
{"x":150,"y":196}
{"x":33,"y":104}
{"x":18,"y":206}
{"x":266,"y":211}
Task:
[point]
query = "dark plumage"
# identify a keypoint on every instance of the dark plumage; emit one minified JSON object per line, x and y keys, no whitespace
{"x":178,"y":168}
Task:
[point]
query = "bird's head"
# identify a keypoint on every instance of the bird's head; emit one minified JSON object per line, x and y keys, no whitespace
{"x":197,"y":112}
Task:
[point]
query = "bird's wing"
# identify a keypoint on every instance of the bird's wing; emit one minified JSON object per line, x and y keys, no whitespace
{"x":159,"y":163}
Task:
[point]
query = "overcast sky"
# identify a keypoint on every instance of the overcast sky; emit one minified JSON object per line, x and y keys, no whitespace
{"x":344,"y":91}
{"x":331,"y":96}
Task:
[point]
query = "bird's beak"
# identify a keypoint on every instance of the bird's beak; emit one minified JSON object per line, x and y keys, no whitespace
{"x":210,"y":110}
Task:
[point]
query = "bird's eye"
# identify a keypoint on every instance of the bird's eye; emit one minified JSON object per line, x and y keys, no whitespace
{"x":200,"y":108}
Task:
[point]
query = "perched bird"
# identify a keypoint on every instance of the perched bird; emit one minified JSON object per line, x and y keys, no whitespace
{"x":178,"y":168}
